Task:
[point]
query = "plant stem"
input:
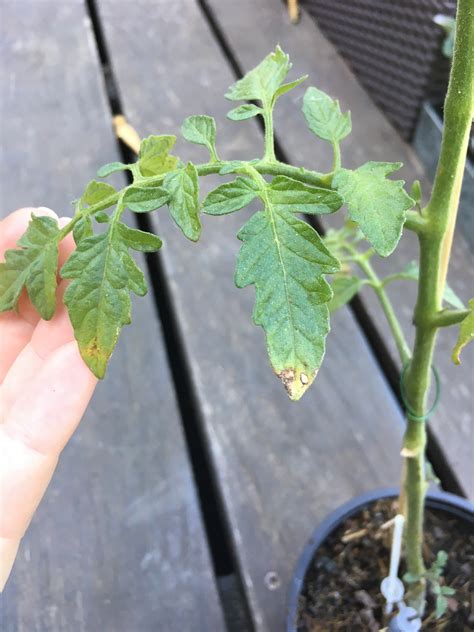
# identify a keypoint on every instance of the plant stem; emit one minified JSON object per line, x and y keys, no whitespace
{"x":272,"y":168}
{"x":269,"y":154}
{"x":435,"y":244}
{"x":336,"y":164}
{"x":378,"y":286}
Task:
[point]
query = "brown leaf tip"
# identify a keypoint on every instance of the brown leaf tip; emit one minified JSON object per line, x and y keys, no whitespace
{"x":296,"y":382}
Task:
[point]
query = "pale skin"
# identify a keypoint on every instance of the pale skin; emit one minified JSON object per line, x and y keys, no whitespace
{"x":45,"y":388}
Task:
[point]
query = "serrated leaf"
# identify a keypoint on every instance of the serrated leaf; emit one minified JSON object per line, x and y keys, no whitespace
{"x":243,"y":112}
{"x":110,"y":168}
{"x":344,"y":289}
{"x":183,"y":187}
{"x":201,"y":130}
{"x":466,"y":333}
{"x":101,"y":217}
{"x":286,"y":87}
{"x":102,"y":274}
{"x":377,"y":204}
{"x":285,"y":259}
{"x":34,"y":266}
{"x":441,"y":606}
{"x":441,"y":559}
{"x":82,"y":229}
{"x":136,"y":278}
{"x":411,"y":578}
{"x":230,"y":197}
{"x":154,"y":158}
{"x":138,"y":239}
{"x":145,"y":199}
{"x":412,"y":273}
{"x":262,"y":82}
{"x":447,"y":590}
{"x":288,"y":194}
{"x":96,"y":192}
{"x":324,"y":117}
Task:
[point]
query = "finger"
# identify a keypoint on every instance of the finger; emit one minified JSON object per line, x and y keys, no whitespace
{"x":47,"y":336}
{"x":8,"y":551}
{"x":38,"y":426}
{"x":15,"y":331}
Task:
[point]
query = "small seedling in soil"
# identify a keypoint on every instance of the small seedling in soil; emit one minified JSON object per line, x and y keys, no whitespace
{"x":299,"y":276}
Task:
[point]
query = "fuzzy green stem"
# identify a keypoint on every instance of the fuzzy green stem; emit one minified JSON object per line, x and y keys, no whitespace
{"x":269,"y":155}
{"x":336,"y":164}
{"x":435,"y":246}
{"x":378,"y":285}
{"x":263,"y":167}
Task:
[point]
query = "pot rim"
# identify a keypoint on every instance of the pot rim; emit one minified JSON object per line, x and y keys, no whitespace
{"x":456,"y":505}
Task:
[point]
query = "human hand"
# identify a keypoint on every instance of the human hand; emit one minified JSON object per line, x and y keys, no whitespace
{"x":44,"y":390}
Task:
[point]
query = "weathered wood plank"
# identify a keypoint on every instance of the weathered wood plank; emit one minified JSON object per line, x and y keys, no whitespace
{"x":117,"y":544}
{"x":253,"y":29}
{"x":280,"y":466}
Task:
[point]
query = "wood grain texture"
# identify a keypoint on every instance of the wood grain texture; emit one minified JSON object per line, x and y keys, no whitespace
{"x":252,"y":30}
{"x":117,"y":545}
{"x":281,"y":466}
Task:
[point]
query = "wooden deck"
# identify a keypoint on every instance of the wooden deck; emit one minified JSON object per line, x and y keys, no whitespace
{"x":185,"y":497}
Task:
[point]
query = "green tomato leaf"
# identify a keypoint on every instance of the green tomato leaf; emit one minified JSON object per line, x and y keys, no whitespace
{"x":183,"y":188}
{"x":138,"y":239}
{"x":96,"y":192}
{"x":201,"y":130}
{"x":101,"y":217}
{"x":262,"y":82}
{"x":154,"y":158}
{"x":243,"y":112}
{"x":34,"y":266}
{"x":466,"y":333}
{"x":285,"y":259}
{"x":447,"y":590}
{"x":103,"y":274}
{"x":412,"y":273}
{"x":288,"y":194}
{"x":441,"y":559}
{"x":411,"y":578}
{"x":441,"y":606}
{"x":344,"y":289}
{"x":145,"y":199}
{"x":82,"y":229}
{"x":324,"y":117}
{"x":377,"y":204}
{"x":230,"y":197}
{"x":111,"y":167}
{"x":286,"y":87}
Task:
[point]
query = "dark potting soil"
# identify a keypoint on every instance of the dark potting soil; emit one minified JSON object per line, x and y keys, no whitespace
{"x":342,"y":587}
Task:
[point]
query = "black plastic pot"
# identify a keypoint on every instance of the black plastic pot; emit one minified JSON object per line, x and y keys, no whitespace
{"x":453,"y":505}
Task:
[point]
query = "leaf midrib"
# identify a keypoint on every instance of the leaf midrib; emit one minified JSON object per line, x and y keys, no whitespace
{"x":269,"y":208}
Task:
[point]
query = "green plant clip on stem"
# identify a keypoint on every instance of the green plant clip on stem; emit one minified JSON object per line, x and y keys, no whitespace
{"x":408,"y":408}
